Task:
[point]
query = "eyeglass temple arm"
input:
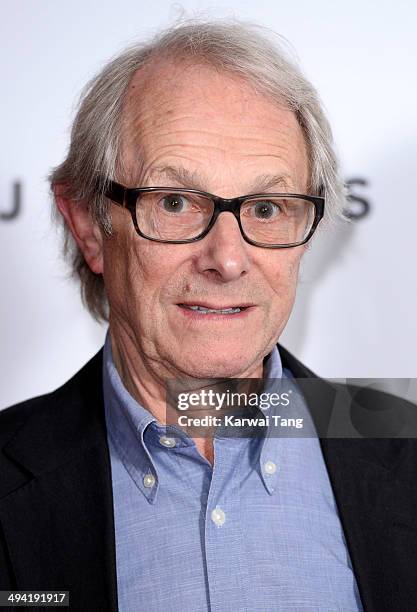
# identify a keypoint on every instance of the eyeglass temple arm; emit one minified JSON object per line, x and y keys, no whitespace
{"x":116,"y":193}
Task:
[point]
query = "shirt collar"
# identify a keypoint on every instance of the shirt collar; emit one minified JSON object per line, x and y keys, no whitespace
{"x":126,"y":422}
{"x":272,"y":364}
{"x":129,"y":424}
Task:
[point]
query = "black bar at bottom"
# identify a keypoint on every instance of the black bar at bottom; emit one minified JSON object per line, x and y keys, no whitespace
{"x":34,"y":598}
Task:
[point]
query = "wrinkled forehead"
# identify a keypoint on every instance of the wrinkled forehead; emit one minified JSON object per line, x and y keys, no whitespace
{"x":170,"y":102}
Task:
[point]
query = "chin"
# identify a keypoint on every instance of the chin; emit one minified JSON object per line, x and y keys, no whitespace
{"x":221,"y":366}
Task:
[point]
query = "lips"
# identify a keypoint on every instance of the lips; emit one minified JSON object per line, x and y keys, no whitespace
{"x":215,"y":309}
{"x":231,"y":310}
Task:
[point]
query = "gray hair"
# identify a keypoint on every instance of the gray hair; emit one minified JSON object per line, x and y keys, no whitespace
{"x":234,"y":47}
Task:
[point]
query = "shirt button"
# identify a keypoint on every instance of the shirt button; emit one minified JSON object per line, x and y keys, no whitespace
{"x":168,"y":442}
{"x":149,"y":481}
{"x":270,"y":467}
{"x":218,"y":516}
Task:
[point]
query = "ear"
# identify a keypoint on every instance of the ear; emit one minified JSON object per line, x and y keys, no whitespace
{"x":83,"y":227}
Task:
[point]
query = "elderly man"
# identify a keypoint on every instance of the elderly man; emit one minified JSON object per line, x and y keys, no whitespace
{"x":197,"y":173}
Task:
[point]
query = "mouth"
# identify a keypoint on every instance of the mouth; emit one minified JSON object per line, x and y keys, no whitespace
{"x":209,"y":309}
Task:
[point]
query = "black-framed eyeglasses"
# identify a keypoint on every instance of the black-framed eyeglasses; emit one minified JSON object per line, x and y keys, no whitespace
{"x":180,"y":216}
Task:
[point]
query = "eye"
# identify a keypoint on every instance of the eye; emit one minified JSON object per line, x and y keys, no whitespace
{"x":174,"y":203}
{"x":265,"y":209}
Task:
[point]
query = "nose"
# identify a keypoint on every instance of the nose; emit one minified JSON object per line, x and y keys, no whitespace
{"x":224,"y":252}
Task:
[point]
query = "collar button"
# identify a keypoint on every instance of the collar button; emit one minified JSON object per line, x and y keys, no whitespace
{"x":167,"y":442}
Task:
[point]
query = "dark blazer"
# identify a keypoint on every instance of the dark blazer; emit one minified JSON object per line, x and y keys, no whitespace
{"x":56,"y":506}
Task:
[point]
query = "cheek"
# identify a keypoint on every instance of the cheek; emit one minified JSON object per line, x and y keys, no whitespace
{"x":138,"y":273}
{"x":283,"y":280}
{"x":121,"y":272}
{"x":285,"y":267}
{"x":293,"y":268}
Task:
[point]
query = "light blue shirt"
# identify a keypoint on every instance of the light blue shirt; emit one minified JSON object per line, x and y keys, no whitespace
{"x":257,"y":531}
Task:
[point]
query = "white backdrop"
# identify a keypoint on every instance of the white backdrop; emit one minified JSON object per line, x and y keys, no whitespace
{"x":356,"y":308}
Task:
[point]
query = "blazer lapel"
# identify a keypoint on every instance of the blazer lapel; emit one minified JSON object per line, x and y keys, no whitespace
{"x":59,"y":523}
{"x":374,"y":482}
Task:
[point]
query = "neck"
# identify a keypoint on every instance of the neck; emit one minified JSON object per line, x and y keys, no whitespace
{"x":145,"y":379}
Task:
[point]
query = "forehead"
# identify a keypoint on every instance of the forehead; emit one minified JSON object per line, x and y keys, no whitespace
{"x":196,"y":114}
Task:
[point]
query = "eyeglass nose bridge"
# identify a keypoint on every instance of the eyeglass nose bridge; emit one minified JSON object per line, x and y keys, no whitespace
{"x":226,"y":205}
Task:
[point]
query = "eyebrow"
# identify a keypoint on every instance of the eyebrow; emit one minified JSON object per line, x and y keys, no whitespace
{"x":193,"y":180}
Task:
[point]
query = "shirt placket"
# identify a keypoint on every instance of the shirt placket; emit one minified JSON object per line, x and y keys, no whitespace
{"x":227,"y":571}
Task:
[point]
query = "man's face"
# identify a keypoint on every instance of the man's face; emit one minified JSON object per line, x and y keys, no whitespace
{"x":230,"y":139}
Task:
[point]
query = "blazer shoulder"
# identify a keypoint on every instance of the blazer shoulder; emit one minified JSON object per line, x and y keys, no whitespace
{"x":13,"y":418}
